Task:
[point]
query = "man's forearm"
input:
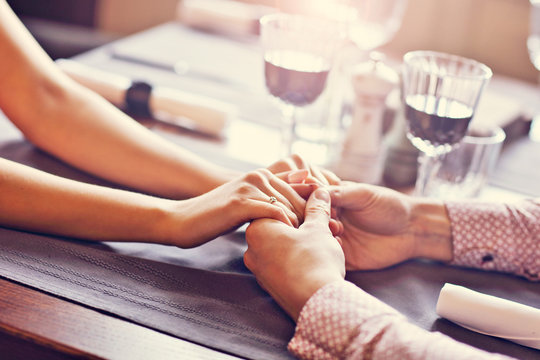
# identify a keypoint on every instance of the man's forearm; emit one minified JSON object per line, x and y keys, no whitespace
{"x":343,"y":322}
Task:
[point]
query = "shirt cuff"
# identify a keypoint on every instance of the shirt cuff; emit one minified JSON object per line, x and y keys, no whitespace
{"x":497,"y":237}
{"x":332,"y":318}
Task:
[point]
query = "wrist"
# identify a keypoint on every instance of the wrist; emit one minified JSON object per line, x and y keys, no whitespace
{"x":431,"y":230}
{"x":305,"y":289}
{"x":192,"y":222}
{"x":170,"y":224}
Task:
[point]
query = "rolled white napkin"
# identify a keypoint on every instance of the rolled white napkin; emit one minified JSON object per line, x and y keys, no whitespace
{"x":169,"y":105}
{"x":224,"y":17}
{"x":490,"y":315}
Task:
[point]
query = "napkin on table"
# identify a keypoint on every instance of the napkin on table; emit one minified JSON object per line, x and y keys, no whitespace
{"x":170,"y":105}
{"x":490,"y":315}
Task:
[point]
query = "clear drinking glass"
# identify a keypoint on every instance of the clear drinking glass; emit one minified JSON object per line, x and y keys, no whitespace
{"x":465,"y":170}
{"x":441,"y":93}
{"x":369,"y":24}
{"x":533,"y":44}
{"x":372,"y":23}
{"x":298,"y":55}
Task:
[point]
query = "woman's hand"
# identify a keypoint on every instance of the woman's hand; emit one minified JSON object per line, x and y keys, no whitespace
{"x":200,"y":219}
{"x":382,"y":227}
{"x":314,"y":175}
{"x":292,"y":264}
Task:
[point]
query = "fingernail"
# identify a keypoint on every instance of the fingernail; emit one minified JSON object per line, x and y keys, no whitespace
{"x":334,"y":191}
{"x":297,"y":176}
{"x":322,"y":194}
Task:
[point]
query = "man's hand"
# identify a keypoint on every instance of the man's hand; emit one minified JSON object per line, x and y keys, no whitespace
{"x":292,"y":264}
{"x":382,"y":227}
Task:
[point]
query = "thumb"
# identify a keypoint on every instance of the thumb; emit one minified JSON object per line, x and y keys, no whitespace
{"x":318,"y":207}
{"x":351,"y":195}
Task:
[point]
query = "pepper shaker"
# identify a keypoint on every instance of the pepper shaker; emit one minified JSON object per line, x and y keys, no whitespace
{"x":363,"y":151}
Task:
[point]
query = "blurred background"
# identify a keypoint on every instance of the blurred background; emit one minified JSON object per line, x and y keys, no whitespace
{"x":491,"y":31}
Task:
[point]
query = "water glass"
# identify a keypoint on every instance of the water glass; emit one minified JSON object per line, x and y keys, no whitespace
{"x":464,"y":171}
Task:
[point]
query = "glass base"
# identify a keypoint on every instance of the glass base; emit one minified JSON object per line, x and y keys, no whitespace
{"x":534,"y":133}
{"x":467,"y":188}
{"x":428,"y":148}
{"x":316,"y":143}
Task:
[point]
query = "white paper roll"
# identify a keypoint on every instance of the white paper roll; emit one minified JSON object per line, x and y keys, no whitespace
{"x":490,"y":315}
{"x":173,"y":106}
{"x":219,"y":16}
{"x":111,"y":86}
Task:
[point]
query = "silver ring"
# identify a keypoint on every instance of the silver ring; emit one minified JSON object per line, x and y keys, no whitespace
{"x":272,"y":199}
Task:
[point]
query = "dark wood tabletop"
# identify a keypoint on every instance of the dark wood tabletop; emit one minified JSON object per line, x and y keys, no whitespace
{"x":35,"y":325}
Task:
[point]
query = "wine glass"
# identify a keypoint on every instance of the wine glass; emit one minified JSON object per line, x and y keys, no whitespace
{"x":369,"y":23}
{"x":298,"y":56}
{"x":372,"y":23}
{"x":533,"y":44}
{"x":441,"y":93}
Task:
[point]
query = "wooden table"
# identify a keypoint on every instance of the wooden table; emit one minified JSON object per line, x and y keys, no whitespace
{"x":37,"y":325}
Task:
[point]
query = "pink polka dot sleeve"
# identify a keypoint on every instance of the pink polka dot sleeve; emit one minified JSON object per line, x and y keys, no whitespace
{"x":341,"y":321}
{"x":497,"y":237}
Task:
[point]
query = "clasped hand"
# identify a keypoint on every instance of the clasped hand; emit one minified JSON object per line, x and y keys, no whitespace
{"x":248,"y":197}
{"x":378,"y":227}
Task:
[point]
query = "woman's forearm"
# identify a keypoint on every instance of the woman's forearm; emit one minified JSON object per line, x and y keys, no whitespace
{"x":83,"y":129}
{"x":33,"y":200}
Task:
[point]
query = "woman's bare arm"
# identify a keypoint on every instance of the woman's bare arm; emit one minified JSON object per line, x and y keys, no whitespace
{"x":81,"y":128}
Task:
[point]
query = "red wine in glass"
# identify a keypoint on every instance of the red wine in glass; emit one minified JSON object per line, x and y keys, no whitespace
{"x":436,"y":121}
{"x":297,"y":78}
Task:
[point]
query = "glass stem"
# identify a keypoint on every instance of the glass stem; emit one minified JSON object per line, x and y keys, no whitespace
{"x":534,"y":133}
{"x":289,"y":129}
{"x":428,"y":165}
